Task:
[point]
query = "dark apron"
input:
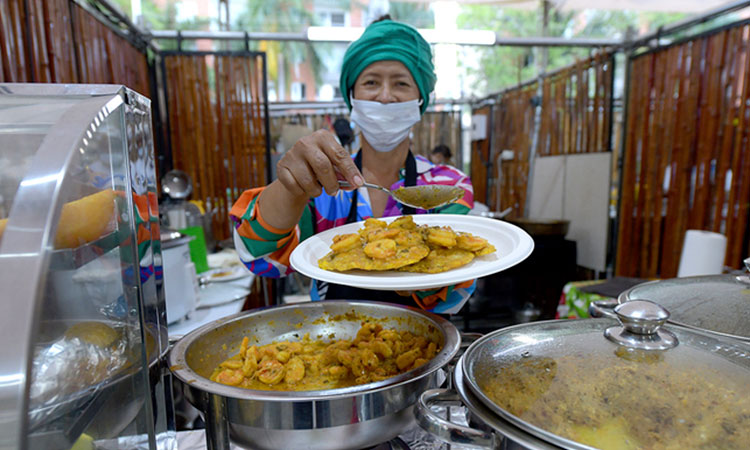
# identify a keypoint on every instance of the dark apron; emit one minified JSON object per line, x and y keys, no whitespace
{"x":332,"y":291}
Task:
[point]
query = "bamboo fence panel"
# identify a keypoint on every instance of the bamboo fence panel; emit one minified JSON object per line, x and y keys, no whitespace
{"x":106,"y":57}
{"x":576,"y":108}
{"x":513,"y":130}
{"x":56,"y":41}
{"x":438,"y":128}
{"x":686,"y":161}
{"x":217,"y":126}
{"x":435,"y":128}
{"x":12,"y":41}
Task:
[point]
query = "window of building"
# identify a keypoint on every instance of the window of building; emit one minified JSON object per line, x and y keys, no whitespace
{"x":298,"y":92}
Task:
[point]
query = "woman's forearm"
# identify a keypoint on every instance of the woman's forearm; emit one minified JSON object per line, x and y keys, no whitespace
{"x":279,"y":208}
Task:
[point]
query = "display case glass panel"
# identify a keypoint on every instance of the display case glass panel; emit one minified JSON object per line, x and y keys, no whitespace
{"x":79,"y":242}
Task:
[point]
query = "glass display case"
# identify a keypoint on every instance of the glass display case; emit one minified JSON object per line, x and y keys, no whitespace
{"x":83,"y":322}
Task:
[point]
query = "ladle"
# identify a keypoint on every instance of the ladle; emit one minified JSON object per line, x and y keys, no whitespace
{"x":423,"y":197}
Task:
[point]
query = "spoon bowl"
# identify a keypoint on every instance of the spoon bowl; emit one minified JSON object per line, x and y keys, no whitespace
{"x":422,"y":197}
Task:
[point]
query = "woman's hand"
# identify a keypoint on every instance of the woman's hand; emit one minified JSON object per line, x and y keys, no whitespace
{"x":314,"y":163}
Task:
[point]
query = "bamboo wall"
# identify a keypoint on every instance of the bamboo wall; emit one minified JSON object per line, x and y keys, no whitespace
{"x":577,"y":108}
{"x":686,"y":153}
{"x":575,"y":117}
{"x":513,"y":130}
{"x":435,"y":128}
{"x":217,"y":126}
{"x":57,"y":41}
{"x":438,"y":128}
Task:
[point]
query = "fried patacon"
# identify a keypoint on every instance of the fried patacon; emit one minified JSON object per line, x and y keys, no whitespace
{"x":448,"y":250}
{"x":441,"y":260}
{"x":377,"y":246}
{"x":405,"y":246}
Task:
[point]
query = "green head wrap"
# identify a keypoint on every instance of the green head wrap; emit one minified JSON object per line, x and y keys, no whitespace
{"x":390,"y":41}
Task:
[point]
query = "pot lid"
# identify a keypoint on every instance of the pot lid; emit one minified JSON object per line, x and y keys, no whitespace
{"x":173,"y":238}
{"x":718,"y":303}
{"x":177,"y":184}
{"x":596,"y":383}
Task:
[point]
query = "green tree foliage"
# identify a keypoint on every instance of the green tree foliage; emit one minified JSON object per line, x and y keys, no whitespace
{"x":157,"y":18}
{"x":501,"y":67}
{"x":279,"y":16}
{"x":418,"y":15}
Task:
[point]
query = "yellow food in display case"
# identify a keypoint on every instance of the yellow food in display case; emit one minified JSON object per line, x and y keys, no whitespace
{"x":86,"y":219}
{"x":83,"y":220}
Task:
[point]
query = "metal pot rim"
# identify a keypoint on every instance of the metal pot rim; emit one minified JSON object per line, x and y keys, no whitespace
{"x":179,"y":367}
{"x":626,"y":294}
{"x":468,"y":385}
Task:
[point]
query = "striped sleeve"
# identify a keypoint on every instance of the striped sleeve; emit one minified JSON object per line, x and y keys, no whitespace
{"x":264,"y":249}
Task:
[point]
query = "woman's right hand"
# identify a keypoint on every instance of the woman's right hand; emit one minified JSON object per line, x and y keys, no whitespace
{"x":314,"y":163}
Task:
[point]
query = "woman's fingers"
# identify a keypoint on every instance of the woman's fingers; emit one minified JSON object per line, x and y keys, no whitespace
{"x":323,"y":169}
{"x":287,"y":179}
{"x":312,"y":165}
{"x":340,"y":158}
{"x":298,"y":177}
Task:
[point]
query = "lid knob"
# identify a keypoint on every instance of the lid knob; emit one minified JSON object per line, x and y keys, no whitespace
{"x":641,"y":321}
{"x":641,"y":316}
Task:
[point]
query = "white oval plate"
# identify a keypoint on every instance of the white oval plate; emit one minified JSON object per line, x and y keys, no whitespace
{"x":512,"y":243}
{"x":224,"y":274}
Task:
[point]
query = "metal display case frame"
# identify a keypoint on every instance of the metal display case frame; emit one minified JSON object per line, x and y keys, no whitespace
{"x":29,"y":262}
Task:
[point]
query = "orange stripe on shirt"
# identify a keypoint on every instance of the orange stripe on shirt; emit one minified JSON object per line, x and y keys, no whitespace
{"x":240,"y":206}
{"x":285,"y":251}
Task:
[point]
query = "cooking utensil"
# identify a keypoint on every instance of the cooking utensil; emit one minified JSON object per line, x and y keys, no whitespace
{"x":718,"y":304}
{"x":494,"y":214}
{"x":177,"y":184}
{"x":597,"y":387}
{"x":420,"y":197}
{"x":353,"y":417}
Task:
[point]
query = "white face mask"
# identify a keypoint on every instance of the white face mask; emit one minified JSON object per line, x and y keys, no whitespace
{"x":385,"y":125}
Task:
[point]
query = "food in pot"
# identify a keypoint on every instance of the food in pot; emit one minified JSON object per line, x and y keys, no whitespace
{"x":405,"y":246}
{"x":86,"y":219}
{"x":83,"y":220}
{"x":636,"y":402}
{"x":87,"y":354}
{"x":373,"y":355}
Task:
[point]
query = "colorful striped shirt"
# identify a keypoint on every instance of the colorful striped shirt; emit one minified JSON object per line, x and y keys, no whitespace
{"x":265,"y":250}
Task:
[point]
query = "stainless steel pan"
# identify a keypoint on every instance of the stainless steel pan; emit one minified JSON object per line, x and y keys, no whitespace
{"x":346,"y":418}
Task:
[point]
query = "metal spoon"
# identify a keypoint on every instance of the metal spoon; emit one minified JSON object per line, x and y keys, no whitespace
{"x":422,"y":197}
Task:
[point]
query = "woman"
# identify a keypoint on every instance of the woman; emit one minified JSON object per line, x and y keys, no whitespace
{"x":386,"y":80}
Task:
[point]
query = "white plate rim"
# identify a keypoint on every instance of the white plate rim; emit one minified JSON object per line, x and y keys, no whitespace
{"x":499,"y":230}
{"x":237,"y":273}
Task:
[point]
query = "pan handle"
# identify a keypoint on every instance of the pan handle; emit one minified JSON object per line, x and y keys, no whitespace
{"x":445,"y":430}
{"x":603,"y":308}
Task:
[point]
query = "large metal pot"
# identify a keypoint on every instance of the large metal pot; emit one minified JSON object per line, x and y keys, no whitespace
{"x":587,"y":384}
{"x":347,"y":418}
{"x":713,"y":303}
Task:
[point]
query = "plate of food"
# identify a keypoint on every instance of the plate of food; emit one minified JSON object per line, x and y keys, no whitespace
{"x":423,"y":251}
{"x":229,"y":273}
